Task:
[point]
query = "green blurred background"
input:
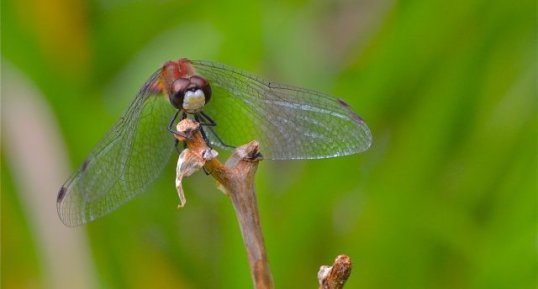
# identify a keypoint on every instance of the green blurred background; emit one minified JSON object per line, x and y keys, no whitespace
{"x":446,"y":197}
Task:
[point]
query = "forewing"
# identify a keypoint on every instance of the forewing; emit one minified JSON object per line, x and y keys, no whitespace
{"x":123,"y":164}
{"x":289,"y":122}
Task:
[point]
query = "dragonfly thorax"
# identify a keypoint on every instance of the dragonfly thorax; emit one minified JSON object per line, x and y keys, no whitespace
{"x":190,"y":94}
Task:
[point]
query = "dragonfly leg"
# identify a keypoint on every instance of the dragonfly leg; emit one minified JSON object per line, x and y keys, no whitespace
{"x":210,"y":123}
{"x":172,"y":121}
{"x":199,"y":120}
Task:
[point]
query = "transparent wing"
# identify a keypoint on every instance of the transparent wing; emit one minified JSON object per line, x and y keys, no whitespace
{"x":289,"y":122}
{"x":123,"y":164}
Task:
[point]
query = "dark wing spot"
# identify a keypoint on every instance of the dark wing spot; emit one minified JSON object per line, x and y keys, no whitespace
{"x":348,"y":108}
{"x":61,"y":194}
{"x":84,"y":165}
{"x":343,"y":103}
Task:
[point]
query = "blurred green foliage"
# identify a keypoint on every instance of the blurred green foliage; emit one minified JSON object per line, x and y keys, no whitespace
{"x":445,"y":197}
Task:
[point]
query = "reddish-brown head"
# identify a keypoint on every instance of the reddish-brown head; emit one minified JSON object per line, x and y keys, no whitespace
{"x":185,"y":90}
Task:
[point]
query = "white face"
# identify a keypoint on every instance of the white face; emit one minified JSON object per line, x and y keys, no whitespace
{"x":193,"y":100}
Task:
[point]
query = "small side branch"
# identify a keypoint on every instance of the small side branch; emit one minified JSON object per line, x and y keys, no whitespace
{"x":236,"y":179}
{"x":335,"y":276}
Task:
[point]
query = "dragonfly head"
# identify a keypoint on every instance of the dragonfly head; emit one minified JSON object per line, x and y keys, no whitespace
{"x":190,"y":94}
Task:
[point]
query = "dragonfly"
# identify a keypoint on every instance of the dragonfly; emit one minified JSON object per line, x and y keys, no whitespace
{"x":233,"y":106}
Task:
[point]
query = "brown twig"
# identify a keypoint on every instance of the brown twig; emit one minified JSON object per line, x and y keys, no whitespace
{"x":236,"y":179}
{"x":335,"y":277}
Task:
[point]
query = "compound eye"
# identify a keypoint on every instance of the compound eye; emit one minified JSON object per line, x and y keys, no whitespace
{"x":202,"y":84}
{"x":198,"y":81}
{"x":177,"y":92}
{"x":180,"y":85}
